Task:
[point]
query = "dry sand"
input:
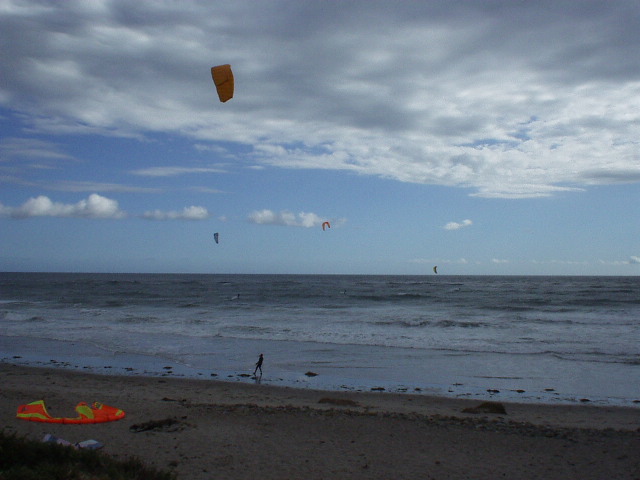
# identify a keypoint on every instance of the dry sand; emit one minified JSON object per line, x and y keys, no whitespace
{"x":227,"y":430}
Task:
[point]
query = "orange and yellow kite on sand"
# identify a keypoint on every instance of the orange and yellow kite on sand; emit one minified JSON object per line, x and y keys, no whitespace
{"x":94,"y":413}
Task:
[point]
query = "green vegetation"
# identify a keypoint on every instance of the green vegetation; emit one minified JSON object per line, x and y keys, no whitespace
{"x":22,"y":459}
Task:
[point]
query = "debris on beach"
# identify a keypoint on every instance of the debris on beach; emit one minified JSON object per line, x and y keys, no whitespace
{"x":166,"y":425}
{"x":85,"y":444}
{"x":342,"y":402}
{"x":48,"y":438}
{"x":90,"y":444}
{"x":487,"y":407}
{"x":311,"y":374}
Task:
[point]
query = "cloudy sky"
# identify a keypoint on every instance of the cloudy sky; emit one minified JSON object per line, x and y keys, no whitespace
{"x":485,"y":137}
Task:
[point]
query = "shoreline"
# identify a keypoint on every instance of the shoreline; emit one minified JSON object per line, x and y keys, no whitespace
{"x":243,"y":430}
{"x":448,"y":377}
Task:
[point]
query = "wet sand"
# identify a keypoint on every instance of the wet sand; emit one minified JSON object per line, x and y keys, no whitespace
{"x":204,"y":429}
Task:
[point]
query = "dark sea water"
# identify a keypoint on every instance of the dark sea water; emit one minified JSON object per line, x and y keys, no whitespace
{"x":543,"y":339}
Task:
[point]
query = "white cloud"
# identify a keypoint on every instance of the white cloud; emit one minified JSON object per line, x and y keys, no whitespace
{"x":187,"y":213}
{"x":633,"y":260}
{"x":562,"y":262}
{"x":499,"y":261}
{"x":286,"y":218}
{"x":205,"y":189}
{"x":31,"y":148}
{"x":95,"y":206}
{"x":457,"y":226}
{"x":71,"y":186}
{"x":173,"y":171}
{"x":439,"y":261}
{"x":555,"y":109}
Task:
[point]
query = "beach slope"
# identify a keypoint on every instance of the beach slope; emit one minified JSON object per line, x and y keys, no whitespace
{"x":204,"y":429}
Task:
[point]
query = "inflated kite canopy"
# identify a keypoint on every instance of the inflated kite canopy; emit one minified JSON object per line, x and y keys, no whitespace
{"x":95,"y":413}
{"x":326,"y":225}
{"x":223,"y":78}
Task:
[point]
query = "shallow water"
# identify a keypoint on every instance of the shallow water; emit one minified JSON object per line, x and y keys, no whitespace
{"x":549,"y":339}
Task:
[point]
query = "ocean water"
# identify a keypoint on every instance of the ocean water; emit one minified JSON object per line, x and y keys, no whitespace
{"x":540,"y":339}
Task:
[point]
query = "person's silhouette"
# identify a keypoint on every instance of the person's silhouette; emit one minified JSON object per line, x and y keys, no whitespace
{"x":259,"y":365}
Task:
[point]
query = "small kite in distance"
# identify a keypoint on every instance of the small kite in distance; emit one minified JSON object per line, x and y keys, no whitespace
{"x":216,"y":237}
{"x":435,"y":269}
{"x":326,"y":225}
{"x":223,"y":79}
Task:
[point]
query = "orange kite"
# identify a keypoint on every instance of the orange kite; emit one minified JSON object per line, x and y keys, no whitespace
{"x":95,"y":413}
{"x":223,"y":78}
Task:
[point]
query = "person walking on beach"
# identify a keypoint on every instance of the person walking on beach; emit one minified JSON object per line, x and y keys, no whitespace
{"x":259,"y":365}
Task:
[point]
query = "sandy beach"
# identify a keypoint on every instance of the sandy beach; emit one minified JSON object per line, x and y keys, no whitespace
{"x":204,"y":429}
